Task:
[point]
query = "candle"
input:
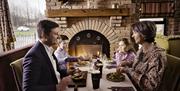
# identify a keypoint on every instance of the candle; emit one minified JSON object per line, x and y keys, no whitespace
{"x":98,"y":53}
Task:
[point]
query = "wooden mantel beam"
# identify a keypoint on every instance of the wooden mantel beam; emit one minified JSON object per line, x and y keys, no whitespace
{"x":87,"y":12}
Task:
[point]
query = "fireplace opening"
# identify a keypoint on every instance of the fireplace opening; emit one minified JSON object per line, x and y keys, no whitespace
{"x":89,"y":43}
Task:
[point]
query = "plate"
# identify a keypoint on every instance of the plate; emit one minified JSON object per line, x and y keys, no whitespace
{"x":82,"y":63}
{"x":77,"y":76}
{"x":115,"y":77}
{"x":111,"y":62}
{"x":81,"y":82}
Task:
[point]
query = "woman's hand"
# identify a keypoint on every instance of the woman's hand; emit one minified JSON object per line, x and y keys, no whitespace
{"x":124,"y":63}
{"x":80,"y":58}
{"x":121,"y":70}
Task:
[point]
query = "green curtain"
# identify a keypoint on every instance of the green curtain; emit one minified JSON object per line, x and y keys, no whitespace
{"x":7,"y":36}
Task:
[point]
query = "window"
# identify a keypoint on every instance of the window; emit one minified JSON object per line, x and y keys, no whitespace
{"x":24,"y":17}
{"x":160,"y":24}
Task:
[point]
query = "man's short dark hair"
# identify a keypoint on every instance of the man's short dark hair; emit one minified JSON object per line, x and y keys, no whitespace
{"x":45,"y":26}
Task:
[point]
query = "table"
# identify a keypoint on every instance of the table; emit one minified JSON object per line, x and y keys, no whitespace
{"x":104,"y":83}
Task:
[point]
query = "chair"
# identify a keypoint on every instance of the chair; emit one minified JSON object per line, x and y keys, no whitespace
{"x":171,"y":78}
{"x":17,"y":72}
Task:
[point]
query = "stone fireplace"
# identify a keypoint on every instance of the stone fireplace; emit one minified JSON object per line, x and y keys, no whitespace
{"x":89,"y":43}
{"x":92,"y":30}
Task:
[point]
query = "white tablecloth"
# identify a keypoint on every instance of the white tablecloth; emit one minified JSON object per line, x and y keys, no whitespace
{"x":104,"y":83}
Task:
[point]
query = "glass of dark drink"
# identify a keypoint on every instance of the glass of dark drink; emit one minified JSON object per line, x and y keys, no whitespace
{"x":100,"y":67}
{"x":95,"y":76}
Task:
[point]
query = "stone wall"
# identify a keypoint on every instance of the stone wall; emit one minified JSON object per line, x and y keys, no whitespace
{"x":112,"y":27}
{"x":85,"y":4}
{"x":177,"y":18}
{"x":170,"y":26}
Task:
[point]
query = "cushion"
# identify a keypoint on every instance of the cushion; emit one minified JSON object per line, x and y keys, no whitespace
{"x":171,"y":77}
{"x":17,"y":72}
{"x":174,"y":47}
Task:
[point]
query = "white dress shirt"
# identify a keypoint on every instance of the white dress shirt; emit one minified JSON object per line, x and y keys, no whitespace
{"x":49,"y":51}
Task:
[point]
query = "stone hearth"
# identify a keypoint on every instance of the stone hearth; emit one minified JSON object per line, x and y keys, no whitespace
{"x":108,"y":27}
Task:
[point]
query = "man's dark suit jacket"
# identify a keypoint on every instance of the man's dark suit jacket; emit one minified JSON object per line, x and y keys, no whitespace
{"x":38,"y":72}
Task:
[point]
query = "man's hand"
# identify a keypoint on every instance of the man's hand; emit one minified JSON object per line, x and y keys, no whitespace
{"x":63,"y":84}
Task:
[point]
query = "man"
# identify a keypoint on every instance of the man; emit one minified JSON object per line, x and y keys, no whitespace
{"x":40,"y":69}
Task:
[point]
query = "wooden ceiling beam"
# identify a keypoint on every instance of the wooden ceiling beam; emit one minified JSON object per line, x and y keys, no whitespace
{"x":87,"y":12}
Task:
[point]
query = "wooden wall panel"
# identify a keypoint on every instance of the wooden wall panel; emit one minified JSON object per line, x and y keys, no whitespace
{"x":87,"y":12}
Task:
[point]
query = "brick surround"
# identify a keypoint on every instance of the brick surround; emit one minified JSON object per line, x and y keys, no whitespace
{"x":112,"y":27}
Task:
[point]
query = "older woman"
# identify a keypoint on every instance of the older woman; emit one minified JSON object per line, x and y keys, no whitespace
{"x":148,"y":68}
{"x":125,"y":54}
